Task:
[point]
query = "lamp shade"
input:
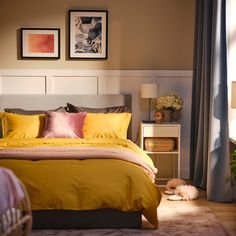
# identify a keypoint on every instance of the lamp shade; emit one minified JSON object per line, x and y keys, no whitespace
{"x":149,"y":91}
{"x":233,"y":94}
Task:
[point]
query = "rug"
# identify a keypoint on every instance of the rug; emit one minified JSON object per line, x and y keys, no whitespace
{"x":173,"y":221}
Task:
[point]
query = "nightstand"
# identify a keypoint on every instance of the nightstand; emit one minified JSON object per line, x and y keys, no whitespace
{"x":164,"y":130}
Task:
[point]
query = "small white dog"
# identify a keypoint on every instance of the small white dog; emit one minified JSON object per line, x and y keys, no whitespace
{"x":187,"y":192}
{"x":180,"y":190}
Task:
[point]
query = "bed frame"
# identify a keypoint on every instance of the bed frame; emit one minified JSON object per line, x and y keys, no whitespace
{"x":101,"y":218}
{"x":51,"y":101}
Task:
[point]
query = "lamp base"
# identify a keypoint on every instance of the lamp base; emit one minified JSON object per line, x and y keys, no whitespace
{"x":149,"y":121}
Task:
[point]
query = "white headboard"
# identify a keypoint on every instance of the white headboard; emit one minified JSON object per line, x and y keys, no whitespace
{"x":41,"y":102}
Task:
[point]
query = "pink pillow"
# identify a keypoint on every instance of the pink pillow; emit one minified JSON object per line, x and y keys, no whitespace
{"x":64,"y":125}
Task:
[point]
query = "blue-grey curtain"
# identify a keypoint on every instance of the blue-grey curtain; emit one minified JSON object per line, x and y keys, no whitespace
{"x":210,"y":158}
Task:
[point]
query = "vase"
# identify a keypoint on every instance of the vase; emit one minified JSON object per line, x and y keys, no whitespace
{"x":166,"y":115}
{"x":176,"y":115}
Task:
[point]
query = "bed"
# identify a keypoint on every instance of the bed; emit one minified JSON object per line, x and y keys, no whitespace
{"x":99,"y":180}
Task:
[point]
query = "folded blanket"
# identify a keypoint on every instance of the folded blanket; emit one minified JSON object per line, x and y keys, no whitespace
{"x":39,"y":153}
{"x":11,"y":192}
{"x":38,"y":149}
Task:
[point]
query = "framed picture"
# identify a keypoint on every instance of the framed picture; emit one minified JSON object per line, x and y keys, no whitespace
{"x":88,"y":34}
{"x":40,"y":43}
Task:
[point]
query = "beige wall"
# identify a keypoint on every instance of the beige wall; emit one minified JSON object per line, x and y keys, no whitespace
{"x":143,"y":34}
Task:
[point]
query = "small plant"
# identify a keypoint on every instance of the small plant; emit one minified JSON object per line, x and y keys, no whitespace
{"x":169,"y":102}
{"x":233,"y":165}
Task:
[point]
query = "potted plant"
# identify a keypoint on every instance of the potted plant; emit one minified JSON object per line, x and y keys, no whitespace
{"x":233,"y":165}
{"x":167,"y":104}
{"x":233,"y":173}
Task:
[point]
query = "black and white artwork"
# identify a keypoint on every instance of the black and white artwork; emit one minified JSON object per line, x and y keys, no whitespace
{"x":88,"y":34}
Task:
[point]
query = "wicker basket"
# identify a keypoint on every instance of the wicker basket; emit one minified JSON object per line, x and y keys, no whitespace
{"x":17,"y":221}
{"x":159,"y":144}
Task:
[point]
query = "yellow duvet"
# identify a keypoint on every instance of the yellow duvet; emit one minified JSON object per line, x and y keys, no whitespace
{"x":84,"y":183}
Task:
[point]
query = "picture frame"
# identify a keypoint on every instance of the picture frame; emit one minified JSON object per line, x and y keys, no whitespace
{"x":40,"y":43}
{"x":88,"y":34}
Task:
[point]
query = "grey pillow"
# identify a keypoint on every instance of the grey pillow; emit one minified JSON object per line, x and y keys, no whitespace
{"x":118,"y":109}
{"x":32,"y":112}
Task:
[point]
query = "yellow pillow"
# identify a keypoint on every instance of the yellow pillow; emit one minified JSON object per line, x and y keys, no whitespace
{"x":22,"y":126}
{"x":108,"y":125}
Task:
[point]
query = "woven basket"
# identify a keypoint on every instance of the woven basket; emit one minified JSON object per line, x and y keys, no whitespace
{"x":17,"y":221}
{"x":159,"y":144}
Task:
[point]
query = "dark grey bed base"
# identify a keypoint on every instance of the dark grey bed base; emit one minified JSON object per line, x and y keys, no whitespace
{"x":102,"y":218}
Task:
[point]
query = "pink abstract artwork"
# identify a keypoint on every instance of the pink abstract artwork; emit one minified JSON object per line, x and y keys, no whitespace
{"x":41,"y":43}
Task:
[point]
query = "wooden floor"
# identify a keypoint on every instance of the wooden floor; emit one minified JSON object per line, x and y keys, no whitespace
{"x":226,"y":212}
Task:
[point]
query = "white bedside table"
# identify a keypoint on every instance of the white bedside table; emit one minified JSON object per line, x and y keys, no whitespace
{"x":170,"y":130}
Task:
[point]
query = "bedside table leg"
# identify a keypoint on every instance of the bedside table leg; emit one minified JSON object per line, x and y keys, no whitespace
{"x":178,"y":160}
{"x":174,"y":165}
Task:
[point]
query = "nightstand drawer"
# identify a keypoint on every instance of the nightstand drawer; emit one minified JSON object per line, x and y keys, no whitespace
{"x":160,"y":131}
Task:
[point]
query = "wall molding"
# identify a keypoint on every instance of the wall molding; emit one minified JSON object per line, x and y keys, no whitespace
{"x":24,"y":81}
{"x":51,"y":72}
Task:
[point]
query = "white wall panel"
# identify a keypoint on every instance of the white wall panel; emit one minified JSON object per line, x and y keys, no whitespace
{"x":109,"y":85}
{"x":181,"y":85}
{"x":22,"y":85}
{"x":72,"y":85}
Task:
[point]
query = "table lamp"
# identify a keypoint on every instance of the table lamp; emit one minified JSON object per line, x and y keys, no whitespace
{"x":233,"y":95}
{"x":149,"y":91}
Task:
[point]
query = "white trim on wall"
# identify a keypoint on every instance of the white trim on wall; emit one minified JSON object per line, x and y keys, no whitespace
{"x":46,"y":72}
{"x":22,"y":81}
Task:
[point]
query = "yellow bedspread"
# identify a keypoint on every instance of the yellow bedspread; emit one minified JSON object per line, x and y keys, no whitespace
{"x":86,"y":184}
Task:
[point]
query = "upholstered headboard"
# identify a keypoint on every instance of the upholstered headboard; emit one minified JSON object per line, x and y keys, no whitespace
{"x":37,"y":102}
{"x":47,"y":102}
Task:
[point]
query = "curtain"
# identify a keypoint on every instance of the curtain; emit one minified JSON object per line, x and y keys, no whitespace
{"x":210,"y":157}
